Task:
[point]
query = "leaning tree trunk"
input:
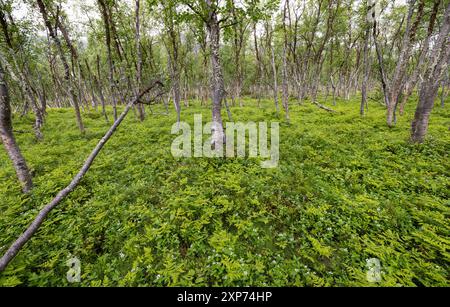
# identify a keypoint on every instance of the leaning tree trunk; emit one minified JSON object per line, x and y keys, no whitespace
{"x":37,"y":222}
{"x":67,"y":77}
{"x":397,"y":82}
{"x":100,"y":90}
{"x":23,"y":75}
{"x":380,"y":63}
{"x":112,"y":86}
{"x":418,"y":70}
{"x":429,"y":88}
{"x":445,"y":81}
{"x":7,"y":136}
{"x":25,"y":85}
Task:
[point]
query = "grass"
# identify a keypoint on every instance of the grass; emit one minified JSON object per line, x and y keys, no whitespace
{"x":347,"y":189}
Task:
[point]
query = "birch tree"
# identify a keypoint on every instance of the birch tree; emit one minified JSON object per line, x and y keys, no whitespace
{"x":438,"y":63}
{"x":8,"y":139}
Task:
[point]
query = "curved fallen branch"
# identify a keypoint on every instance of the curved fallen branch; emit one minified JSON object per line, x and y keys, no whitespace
{"x":34,"y":226}
{"x":377,"y":100}
{"x":324,"y":107}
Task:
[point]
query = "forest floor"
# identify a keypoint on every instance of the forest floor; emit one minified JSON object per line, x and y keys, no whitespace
{"x":347,"y":189}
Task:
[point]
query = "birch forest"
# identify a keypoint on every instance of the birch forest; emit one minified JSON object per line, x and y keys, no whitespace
{"x":354,"y":98}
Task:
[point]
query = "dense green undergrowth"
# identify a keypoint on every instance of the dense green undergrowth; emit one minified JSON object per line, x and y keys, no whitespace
{"x":347,"y":189}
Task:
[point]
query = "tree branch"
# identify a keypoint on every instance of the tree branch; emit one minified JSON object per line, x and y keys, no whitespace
{"x":195,"y":11}
{"x":324,"y":107}
{"x":34,"y":226}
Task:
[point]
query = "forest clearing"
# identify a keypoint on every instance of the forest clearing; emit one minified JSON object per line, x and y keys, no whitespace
{"x":94,"y":95}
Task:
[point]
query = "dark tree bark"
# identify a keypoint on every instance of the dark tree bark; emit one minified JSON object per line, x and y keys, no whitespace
{"x":107,"y":26}
{"x":269,"y":34}
{"x":7,"y":136}
{"x":201,"y":38}
{"x":285,"y":84}
{"x":217,"y":82}
{"x":76,"y":65}
{"x":140,"y":107}
{"x":445,"y":81}
{"x":100,"y":89}
{"x":366,"y":71}
{"x":5,"y":28}
{"x":24,"y":78}
{"x":239,"y":29}
{"x":92,"y":83}
{"x":439,"y":60}
{"x":25,"y":84}
{"x":174,"y":56}
{"x":67,"y":75}
{"x":259,"y":71}
{"x":318,"y":57}
{"x":419,"y":68}
{"x":397,"y":83}
{"x":381,"y":69}
{"x":37,"y":222}
{"x":51,"y":61}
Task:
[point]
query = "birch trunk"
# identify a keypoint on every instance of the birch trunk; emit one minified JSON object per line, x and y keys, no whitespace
{"x":37,"y":222}
{"x":7,"y":136}
{"x":429,"y":88}
{"x":418,"y":71}
{"x":140,"y":107}
{"x":67,"y":75}
{"x":397,"y":80}
{"x":285,"y":85}
{"x":218,"y":86}
{"x":366,"y":72}
{"x":274,"y":66}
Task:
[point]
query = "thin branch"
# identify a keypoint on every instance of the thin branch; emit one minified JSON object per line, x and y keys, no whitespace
{"x":324,"y":107}
{"x":34,"y":226}
{"x":196,"y":11}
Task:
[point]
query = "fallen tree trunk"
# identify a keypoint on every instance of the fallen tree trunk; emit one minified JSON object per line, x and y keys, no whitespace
{"x":324,"y":107}
{"x":34,"y":226}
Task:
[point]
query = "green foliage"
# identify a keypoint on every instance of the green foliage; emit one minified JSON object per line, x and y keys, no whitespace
{"x":347,"y":189}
